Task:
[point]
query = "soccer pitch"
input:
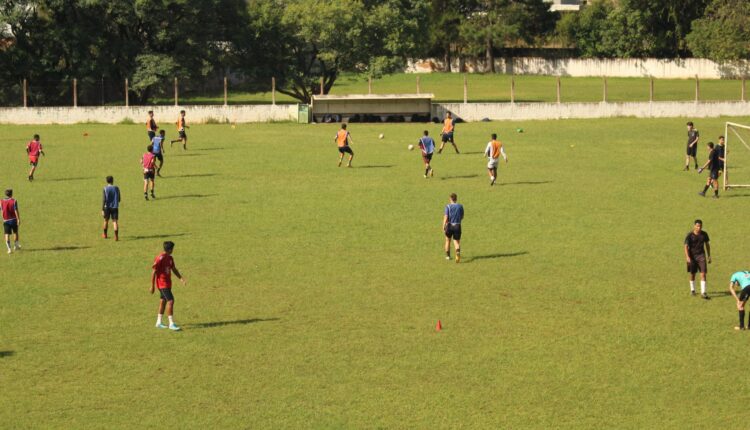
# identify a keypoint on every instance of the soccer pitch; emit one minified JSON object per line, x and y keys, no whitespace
{"x":313,"y":291}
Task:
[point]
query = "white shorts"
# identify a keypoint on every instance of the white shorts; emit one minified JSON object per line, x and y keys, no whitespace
{"x":492,"y":164}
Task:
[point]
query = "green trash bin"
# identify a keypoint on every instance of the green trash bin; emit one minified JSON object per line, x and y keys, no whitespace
{"x":303,"y":114}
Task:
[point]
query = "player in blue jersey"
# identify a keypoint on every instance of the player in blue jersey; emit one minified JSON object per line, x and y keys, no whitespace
{"x":111,"y":207}
{"x":158,"y":143}
{"x":427,"y":145}
{"x":452,"y":217}
{"x":741,"y":279}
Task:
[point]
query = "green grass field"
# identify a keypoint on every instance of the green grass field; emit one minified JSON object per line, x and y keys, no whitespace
{"x":313,"y":291}
{"x":448,"y":87}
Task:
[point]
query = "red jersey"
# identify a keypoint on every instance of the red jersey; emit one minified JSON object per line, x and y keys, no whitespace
{"x":10,"y":206}
{"x":163,"y":265}
{"x":148,"y":161}
{"x":34,"y":148}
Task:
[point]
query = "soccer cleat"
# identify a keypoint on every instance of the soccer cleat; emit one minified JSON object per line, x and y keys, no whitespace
{"x":174,"y":327}
{"x":18,"y":247}
{"x":145,"y":196}
{"x":702,"y":194}
{"x":339,"y":163}
{"x":432,"y":172}
{"x":714,"y":196}
{"x":739,"y":328}
{"x":692,"y":293}
{"x":9,"y":251}
{"x":425,"y":176}
{"x":458,"y":258}
{"x":152,"y":195}
{"x":704,"y":296}
{"x":104,"y":235}
{"x":687,"y":168}
{"x":160,"y":325}
{"x":447,"y":258}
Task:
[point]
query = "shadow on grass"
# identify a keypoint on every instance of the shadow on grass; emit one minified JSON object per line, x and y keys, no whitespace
{"x":719,"y":294}
{"x":732,"y":196}
{"x":459,"y":177}
{"x":186,"y":196}
{"x":192,"y":175}
{"x":69,"y":179}
{"x":188,"y":154}
{"x":472,"y":152}
{"x":493,"y":256}
{"x":156,"y":236}
{"x":213,"y":324}
{"x":4,"y":354}
{"x":210,"y":149}
{"x":374,"y":166}
{"x":57,"y":249}
{"x":526,"y":183}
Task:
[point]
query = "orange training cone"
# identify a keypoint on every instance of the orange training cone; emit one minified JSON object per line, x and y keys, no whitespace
{"x":438,"y":326}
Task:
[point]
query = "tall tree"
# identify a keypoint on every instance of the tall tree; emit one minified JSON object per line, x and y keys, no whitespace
{"x":724,"y":33}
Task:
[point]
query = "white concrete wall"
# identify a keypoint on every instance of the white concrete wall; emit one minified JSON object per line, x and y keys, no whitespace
{"x":546,"y":111}
{"x":164,"y":114}
{"x":581,"y":67}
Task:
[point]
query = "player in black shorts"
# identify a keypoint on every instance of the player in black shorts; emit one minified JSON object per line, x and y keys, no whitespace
{"x":696,"y":257}
{"x":714,"y":165}
{"x":692,"y":145}
{"x":111,"y":207}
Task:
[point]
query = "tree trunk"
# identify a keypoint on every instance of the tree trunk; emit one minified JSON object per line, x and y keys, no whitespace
{"x":447,"y":59}
{"x":490,"y":54}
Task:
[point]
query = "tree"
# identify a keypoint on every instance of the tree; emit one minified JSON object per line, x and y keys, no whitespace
{"x":723,"y":34}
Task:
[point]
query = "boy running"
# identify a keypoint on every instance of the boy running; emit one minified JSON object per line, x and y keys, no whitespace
{"x":181,"y":126}
{"x":11,"y":219}
{"x":158,"y":143}
{"x":151,"y":126}
{"x":148,"y":161}
{"x":452,"y":217}
{"x":34,"y":149}
{"x":692,"y":145}
{"x":447,"y":132}
{"x":427,"y":145}
{"x":715,"y":164}
{"x":493,"y":151}
{"x":161,"y":278}
{"x":741,"y":279}
{"x":111,"y":207}
{"x":695,"y":256}
{"x":343,"y":139}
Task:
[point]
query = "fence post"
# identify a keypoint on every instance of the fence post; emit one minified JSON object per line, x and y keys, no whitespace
{"x":25,"y":93}
{"x":743,"y":89}
{"x":226,"y":84}
{"x":418,"y":89}
{"x":651,"y":90}
{"x":604,"y":96}
{"x":466,"y":89}
{"x":75,"y":92}
{"x":176,"y":103}
{"x":369,"y":84}
{"x":512,"y":88}
{"x":321,"y":85}
{"x":127,"y":95}
{"x":273,"y":90}
{"x":697,"y":89}
{"x":558,"y":90}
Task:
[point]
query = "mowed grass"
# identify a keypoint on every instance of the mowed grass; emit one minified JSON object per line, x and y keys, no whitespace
{"x":313,"y":291}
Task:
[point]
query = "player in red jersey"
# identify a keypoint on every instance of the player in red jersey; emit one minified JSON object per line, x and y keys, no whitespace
{"x":148,"y":161}
{"x":34,"y":149}
{"x":11,"y":219}
{"x":161,"y":278}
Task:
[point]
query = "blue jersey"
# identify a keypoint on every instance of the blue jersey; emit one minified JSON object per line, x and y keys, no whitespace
{"x":742,"y":278}
{"x":111,"y":198}
{"x":156,"y":143}
{"x":427,"y":144}
{"x":454,"y":212}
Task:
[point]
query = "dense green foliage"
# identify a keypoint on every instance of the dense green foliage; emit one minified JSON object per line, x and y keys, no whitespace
{"x":313,"y":291}
{"x":724,"y":33}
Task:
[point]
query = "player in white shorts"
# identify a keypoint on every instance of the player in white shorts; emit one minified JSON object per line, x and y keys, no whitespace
{"x":493,"y":151}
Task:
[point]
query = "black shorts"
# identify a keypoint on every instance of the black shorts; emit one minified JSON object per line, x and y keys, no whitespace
{"x":111,"y":213}
{"x":453,"y":231}
{"x":715,"y":173}
{"x":345,"y":149}
{"x":151,"y":135}
{"x":166,"y":294}
{"x":692,"y":150}
{"x":745,"y":294}
{"x":427,"y":158}
{"x":159,"y":156}
{"x":148,"y":175}
{"x":697,"y":264}
{"x":10,"y":227}
{"x":448,"y":137}
{"x":182,"y":134}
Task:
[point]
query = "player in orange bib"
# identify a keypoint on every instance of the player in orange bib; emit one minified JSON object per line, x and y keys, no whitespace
{"x":343,"y":139}
{"x":449,"y":125}
{"x":493,"y":151}
{"x":34,"y":149}
{"x":181,"y":126}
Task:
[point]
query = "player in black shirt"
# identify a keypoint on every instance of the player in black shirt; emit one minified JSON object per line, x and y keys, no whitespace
{"x":692,"y":145}
{"x":696,"y":258}
{"x":714,"y":164}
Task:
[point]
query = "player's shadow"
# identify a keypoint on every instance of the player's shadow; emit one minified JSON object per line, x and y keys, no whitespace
{"x":525,"y":183}
{"x":189,"y":154}
{"x":57,"y":249}
{"x":70,"y":179}
{"x":192,"y":175}
{"x":731,"y":196}
{"x":493,"y":256}
{"x":4,"y":354}
{"x":156,"y":236}
{"x":445,"y":178}
{"x":719,"y":294}
{"x":472,"y":152}
{"x":376,"y":166}
{"x":187,"y":196}
{"x":221,"y":148}
{"x":213,"y":324}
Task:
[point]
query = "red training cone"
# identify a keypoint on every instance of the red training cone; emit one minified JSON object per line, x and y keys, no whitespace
{"x":438,"y":326}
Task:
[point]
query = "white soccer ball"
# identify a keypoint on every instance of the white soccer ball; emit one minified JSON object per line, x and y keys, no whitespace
{"x":381,"y":136}
{"x":411,"y":147}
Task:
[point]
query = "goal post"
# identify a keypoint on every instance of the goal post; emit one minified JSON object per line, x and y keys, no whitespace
{"x":735,"y":137}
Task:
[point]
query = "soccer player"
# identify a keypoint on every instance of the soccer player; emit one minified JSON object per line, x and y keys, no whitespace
{"x":427,"y":145}
{"x":111,"y":207}
{"x":181,"y":126}
{"x":151,"y":126}
{"x":493,"y":151}
{"x":447,"y":132}
{"x":148,"y":161}
{"x":34,"y":149}
{"x":452,"y":217}
{"x":696,"y":257}
{"x":692,"y":145}
{"x":11,"y":219}
{"x":741,"y":279}
{"x":343,"y":139}
{"x":161,"y":278}
{"x":722,"y":153}
{"x":158,"y":143}
{"x":715,"y":164}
